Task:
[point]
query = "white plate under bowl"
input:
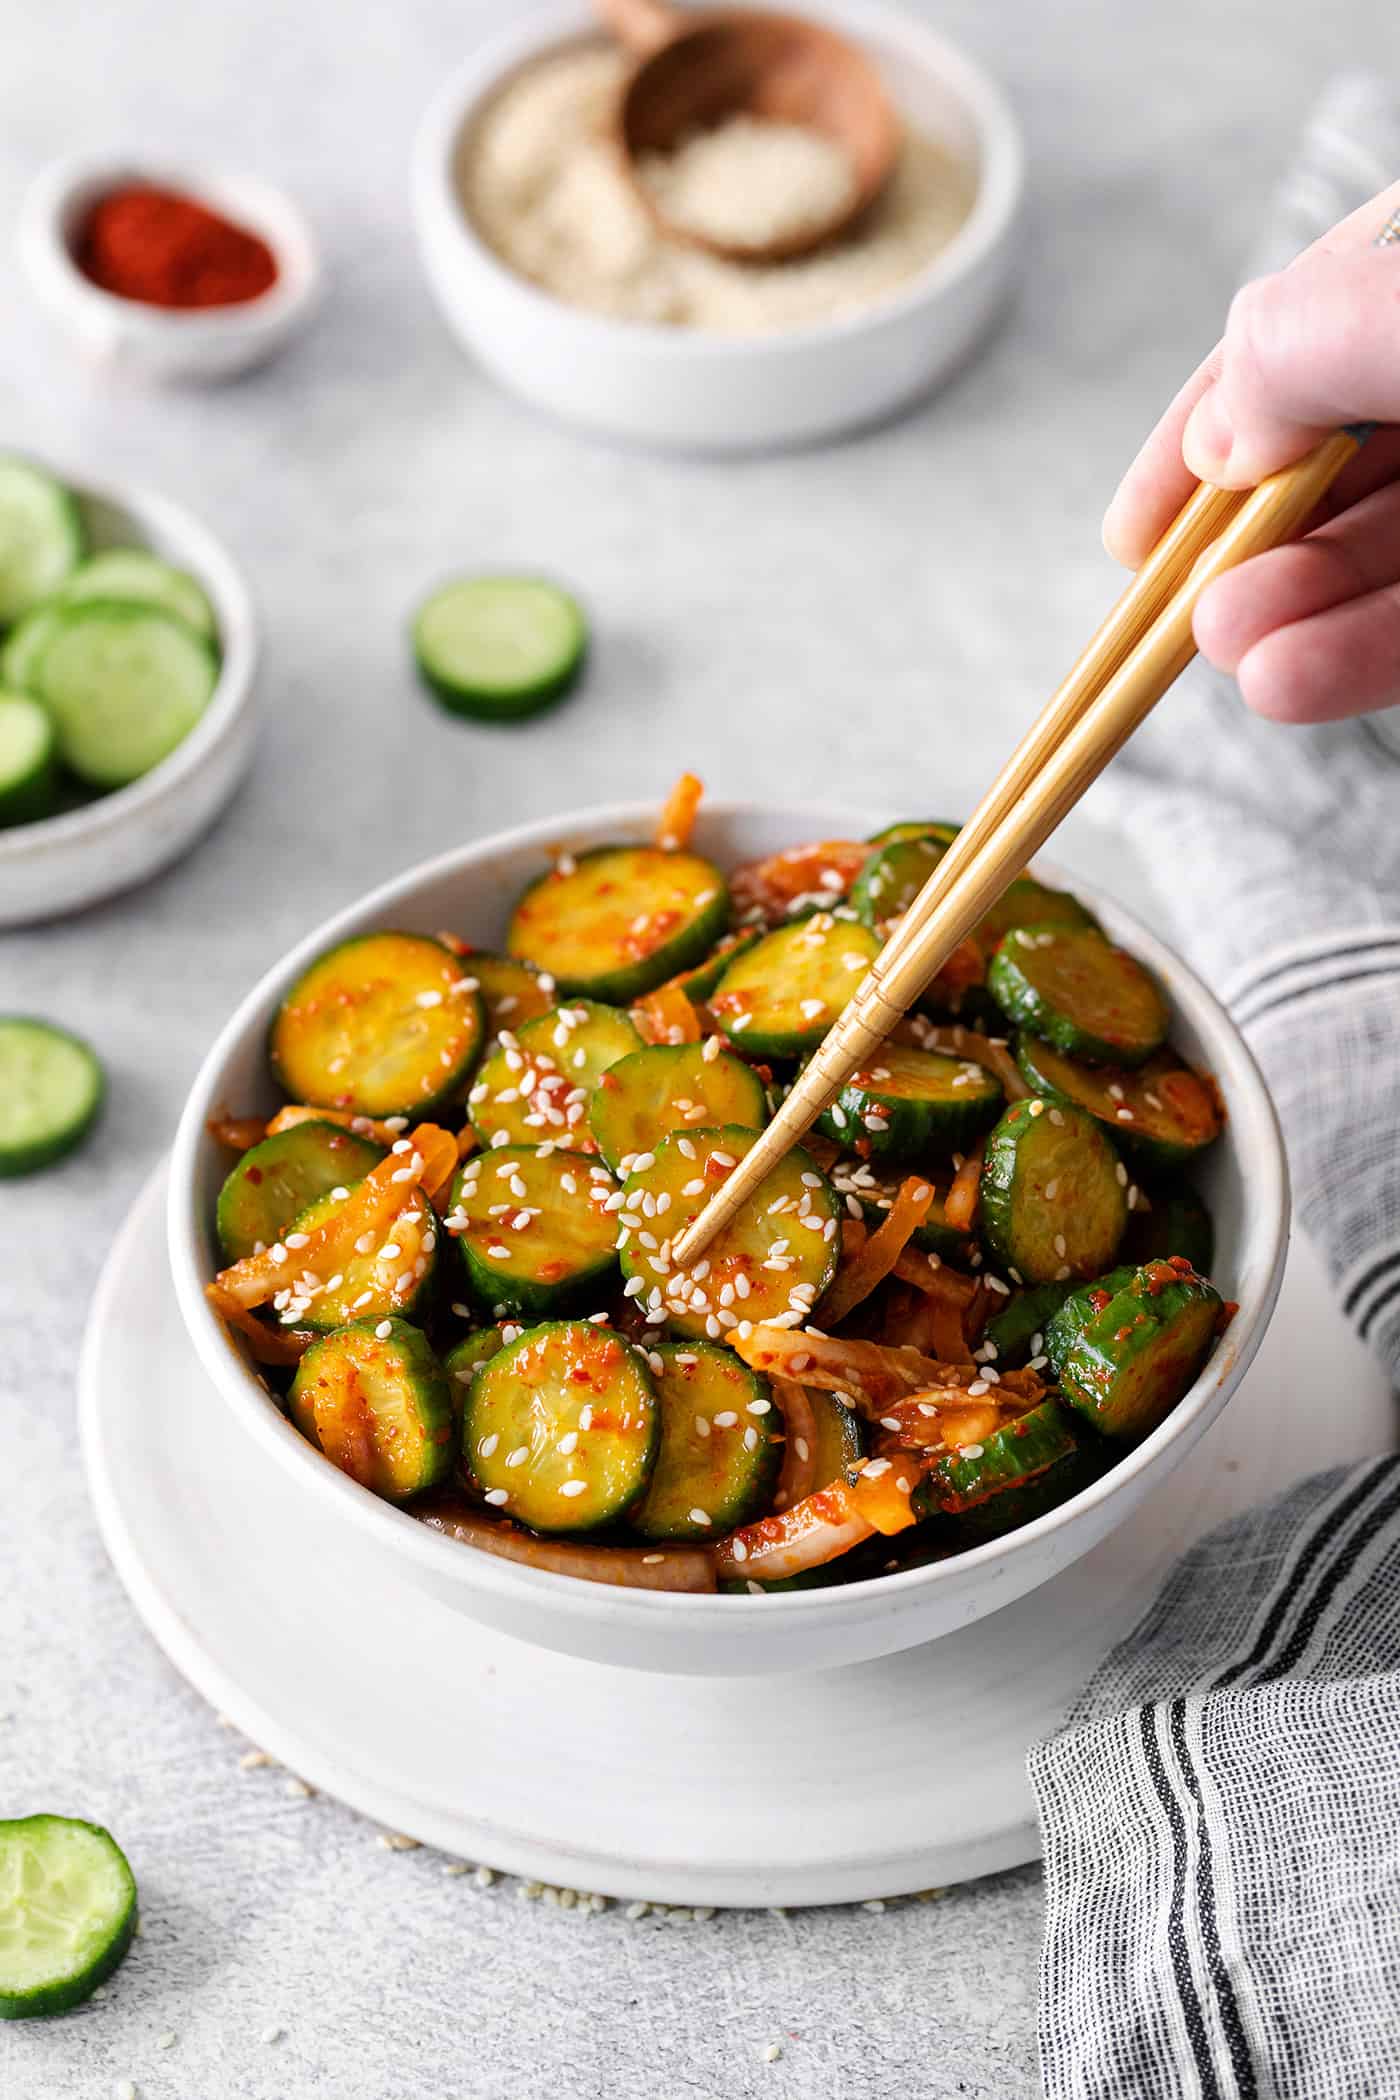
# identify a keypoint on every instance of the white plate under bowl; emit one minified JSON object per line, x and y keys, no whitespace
{"x":67,"y":862}
{"x":471,"y":890}
{"x":836,"y":1786}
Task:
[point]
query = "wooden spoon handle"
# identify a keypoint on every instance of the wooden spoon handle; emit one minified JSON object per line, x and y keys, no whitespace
{"x":642,"y":25}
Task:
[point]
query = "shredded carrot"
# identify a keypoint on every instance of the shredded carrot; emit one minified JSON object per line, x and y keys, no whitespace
{"x":666,"y":1016}
{"x":239,"y":1133}
{"x":677,"y":819}
{"x":440,"y":1154}
{"x":960,"y":1203}
{"x":771,"y":886}
{"x":799,"y":1470}
{"x":875,"y":1259}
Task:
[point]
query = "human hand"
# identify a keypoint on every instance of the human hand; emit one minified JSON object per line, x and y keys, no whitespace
{"x":1311,"y":630}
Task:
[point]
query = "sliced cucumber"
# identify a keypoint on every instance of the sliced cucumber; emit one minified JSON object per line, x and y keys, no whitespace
{"x":1077,"y":1309}
{"x":697,"y":984}
{"x":28,"y":754}
{"x":1011,"y":1507}
{"x":780,"y":998}
{"x":1052,"y":1206}
{"x":532,"y":1228}
{"x":465,"y":1357}
{"x":893,"y":877}
{"x":770,"y":1264}
{"x":514,"y":992}
{"x":278,"y":1178}
{"x":67,"y":1913}
{"x":373,"y":1398}
{"x":499,"y":647}
{"x":1130,"y":1364}
{"x":842,"y":1438}
{"x":136,"y":577}
{"x":895,"y":834}
{"x":1161,"y":1113}
{"x":873,"y":1194}
{"x":1026,"y":902}
{"x":561,"y":1428}
{"x":537,"y":1084}
{"x":718,"y":1460}
{"x":1086,"y":997}
{"x":125,"y":684}
{"x":670,"y":1086}
{"x":41,"y":537}
{"x":1015,"y":1332}
{"x":1177,"y":1223}
{"x":618,"y":921}
{"x":393,"y":1274}
{"x":51,"y":1088}
{"x":1009,"y":1457}
{"x":907,"y":1105}
{"x":26,"y":642}
{"x":385,"y":1024}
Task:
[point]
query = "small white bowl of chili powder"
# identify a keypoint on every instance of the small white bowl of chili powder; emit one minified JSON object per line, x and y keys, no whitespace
{"x":168,"y":274}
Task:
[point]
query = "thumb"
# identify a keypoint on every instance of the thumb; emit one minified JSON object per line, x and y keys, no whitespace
{"x":1314,"y":347}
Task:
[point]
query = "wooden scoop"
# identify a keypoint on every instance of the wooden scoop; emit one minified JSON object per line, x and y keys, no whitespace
{"x":694,"y":70}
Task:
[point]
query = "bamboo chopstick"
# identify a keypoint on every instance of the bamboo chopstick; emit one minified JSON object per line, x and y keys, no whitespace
{"x":1140,"y":651}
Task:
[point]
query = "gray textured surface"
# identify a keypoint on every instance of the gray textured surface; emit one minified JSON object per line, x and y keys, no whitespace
{"x":889,"y":589}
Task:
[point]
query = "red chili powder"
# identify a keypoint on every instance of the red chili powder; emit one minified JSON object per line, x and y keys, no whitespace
{"x":163,"y":249}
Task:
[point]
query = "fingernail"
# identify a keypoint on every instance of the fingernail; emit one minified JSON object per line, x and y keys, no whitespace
{"x":1112,"y":528}
{"x":1207,"y":440}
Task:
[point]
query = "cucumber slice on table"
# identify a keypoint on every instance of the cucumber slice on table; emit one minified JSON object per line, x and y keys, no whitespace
{"x":893,"y":877}
{"x":1006,"y":1459}
{"x":41,"y":537}
{"x":125,"y":684}
{"x":385,"y":1024}
{"x":499,"y":647}
{"x":721,"y":1444}
{"x":780,"y":998}
{"x":51,"y":1088}
{"x":561,"y":1428}
{"x":137,"y":577}
{"x":618,"y":921}
{"x":1130,"y":1364}
{"x":279,"y":1177}
{"x":670,"y":1086}
{"x":908,"y":1104}
{"x":513,"y":992}
{"x":1052,"y":1205}
{"x":67,"y":1912}
{"x":770,"y":1263}
{"x":394,"y":1276}
{"x":28,"y":753}
{"x":1160,"y":1113}
{"x":1077,"y":1309}
{"x":1177,"y":1223}
{"x":1084,"y":996}
{"x":533,"y":1229}
{"x":869,"y":1194}
{"x":536,"y":1084}
{"x":374,"y":1399}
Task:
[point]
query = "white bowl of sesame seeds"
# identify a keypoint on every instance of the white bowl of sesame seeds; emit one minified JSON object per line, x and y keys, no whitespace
{"x":471,"y":891}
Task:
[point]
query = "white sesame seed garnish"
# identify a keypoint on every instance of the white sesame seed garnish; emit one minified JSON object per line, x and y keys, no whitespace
{"x":573,"y":1487}
{"x":519,"y":1455}
{"x":384,"y":1330}
{"x":497,"y":1497}
{"x":701,"y":1516}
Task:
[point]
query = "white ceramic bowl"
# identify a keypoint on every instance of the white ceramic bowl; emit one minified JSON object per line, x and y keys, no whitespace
{"x":682,"y":387}
{"x":69,"y":861}
{"x":472,"y":890}
{"x":128,"y":339}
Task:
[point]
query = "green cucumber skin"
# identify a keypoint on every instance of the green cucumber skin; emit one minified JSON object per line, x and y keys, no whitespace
{"x":755,"y":1474}
{"x":892,"y":877}
{"x":896,"y":834}
{"x":1001,"y":1171}
{"x":918,"y":1130}
{"x":1029,"y":1313}
{"x":1133,"y":1360}
{"x":1147,"y":1149}
{"x":1078,"y":1308}
{"x":67,"y":527}
{"x":432,"y":1400}
{"x":502,"y":1295}
{"x":654,"y":1055}
{"x":25,"y":644}
{"x":697,"y":984}
{"x":34,"y":795}
{"x":686,"y":949}
{"x":341,"y":1154}
{"x":45,"y":1150}
{"x":1178,"y":1223}
{"x":1015,"y":1507}
{"x":100,"y":769}
{"x":763,"y":1043}
{"x":46,"y":1999}
{"x":483,"y":703}
{"x":1008,"y":1458}
{"x":1011,"y":984}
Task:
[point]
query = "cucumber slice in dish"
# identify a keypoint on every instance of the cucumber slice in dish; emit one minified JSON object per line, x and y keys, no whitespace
{"x":513,"y":992}
{"x":697,"y":984}
{"x":1177,"y":1223}
{"x":780,"y":998}
{"x":1130,"y":1364}
{"x":1160,"y":1113}
{"x":533,"y":1229}
{"x":618,"y":921}
{"x":1006,"y":1459}
{"x":536,"y":1085}
{"x":893,"y":877}
{"x":666,"y":1087}
{"x":1052,"y":1205}
{"x":26,"y":643}
{"x":842,"y":1438}
{"x":560,"y":1429}
{"x":499,"y":647}
{"x":51,"y":1088}
{"x":386,"y":1024}
{"x":1084,"y":996}
{"x":721,"y":1444}
{"x":138,"y":578}
{"x":1011,"y":1507}
{"x":393,"y":1276}
{"x":373,"y":1398}
{"x":28,"y":753}
{"x":277,"y":1179}
{"x":895,"y":834}
{"x":125,"y":684}
{"x":769,"y":1264}
{"x":41,"y":537}
{"x":67,"y":1913}
{"x":1026,"y":902}
{"x":869,"y":1195}
{"x":908,"y":1104}
{"x":1078,"y":1308}
{"x":1018,"y":1332}
{"x":463,"y":1360}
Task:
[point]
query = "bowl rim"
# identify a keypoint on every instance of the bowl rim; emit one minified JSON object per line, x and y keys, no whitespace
{"x":995,"y":208}
{"x":398,"y":1531}
{"x":213,"y":567}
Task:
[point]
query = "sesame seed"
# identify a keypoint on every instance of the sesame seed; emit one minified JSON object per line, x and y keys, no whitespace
{"x":519,"y":1455}
{"x":497,"y":1496}
{"x":272,"y":2034}
{"x":384,"y":1330}
{"x":700,"y":1516}
{"x":573,"y":1487}
{"x":978,"y":1386}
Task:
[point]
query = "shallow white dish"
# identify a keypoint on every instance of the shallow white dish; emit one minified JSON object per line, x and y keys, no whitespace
{"x":471,"y":891}
{"x":603,"y":1778}
{"x":131,"y":340}
{"x":682,"y":387}
{"x":67,"y":862}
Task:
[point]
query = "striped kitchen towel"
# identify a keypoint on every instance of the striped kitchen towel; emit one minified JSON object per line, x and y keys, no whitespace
{"x":1221,"y":1814}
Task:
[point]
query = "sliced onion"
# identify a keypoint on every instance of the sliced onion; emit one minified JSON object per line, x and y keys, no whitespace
{"x":678,"y":1568}
{"x":819,"y":1528}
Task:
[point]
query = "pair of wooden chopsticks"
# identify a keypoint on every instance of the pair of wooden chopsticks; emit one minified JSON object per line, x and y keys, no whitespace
{"x":1141,"y":649}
